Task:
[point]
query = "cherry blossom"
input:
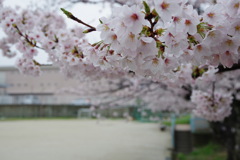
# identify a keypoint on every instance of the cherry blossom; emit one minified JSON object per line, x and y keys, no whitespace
{"x":159,"y":52}
{"x":163,"y":41}
{"x":212,"y":107}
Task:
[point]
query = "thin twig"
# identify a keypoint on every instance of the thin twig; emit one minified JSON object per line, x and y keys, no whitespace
{"x":26,"y":37}
{"x":213,"y":96}
{"x":71,"y":16}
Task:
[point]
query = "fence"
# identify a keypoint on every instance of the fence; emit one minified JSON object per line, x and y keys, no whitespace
{"x":27,"y":111}
{"x":36,"y":110}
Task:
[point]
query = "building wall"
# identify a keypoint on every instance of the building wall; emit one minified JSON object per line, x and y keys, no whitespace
{"x":49,"y":82}
{"x":25,"y":89}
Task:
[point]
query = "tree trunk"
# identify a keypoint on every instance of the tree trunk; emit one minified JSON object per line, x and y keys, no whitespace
{"x":228,"y":132}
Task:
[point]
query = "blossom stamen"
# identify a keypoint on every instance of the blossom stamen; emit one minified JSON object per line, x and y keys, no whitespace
{"x":237,"y":5}
{"x":134,"y":17}
{"x":164,"y":5}
{"x":211,"y":15}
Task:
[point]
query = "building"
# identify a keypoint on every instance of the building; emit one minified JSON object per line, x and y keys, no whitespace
{"x":16,"y":88}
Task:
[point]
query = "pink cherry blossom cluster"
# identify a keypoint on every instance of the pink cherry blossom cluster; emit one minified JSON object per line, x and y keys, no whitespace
{"x":29,"y":31}
{"x":214,"y":107}
{"x":28,"y":67}
{"x":194,"y":76}
{"x":126,"y":92}
{"x":32,"y":32}
{"x":164,"y":41}
{"x":174,"y":36}
{"x":154,"y":42}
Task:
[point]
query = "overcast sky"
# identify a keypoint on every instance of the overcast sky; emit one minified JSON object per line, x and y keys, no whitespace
{"x":86,"y":12}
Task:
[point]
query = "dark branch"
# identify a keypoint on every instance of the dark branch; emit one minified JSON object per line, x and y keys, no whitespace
{"x":222,"y":69}
{"x":71,"y":16}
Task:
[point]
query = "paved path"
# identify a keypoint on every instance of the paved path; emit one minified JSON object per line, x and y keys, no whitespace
{"x":81,"y":140}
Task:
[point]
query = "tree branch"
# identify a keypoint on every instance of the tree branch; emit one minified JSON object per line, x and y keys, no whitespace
{"x":222,"y":69}
{"x":71,"y":16}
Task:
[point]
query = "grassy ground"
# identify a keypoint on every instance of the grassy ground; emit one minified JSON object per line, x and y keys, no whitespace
{"x":180,"y":120}
{"x":211,"y":151}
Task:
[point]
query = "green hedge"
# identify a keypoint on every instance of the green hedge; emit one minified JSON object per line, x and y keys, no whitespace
{"x":180,"y":120}
{"x":211,"y":151}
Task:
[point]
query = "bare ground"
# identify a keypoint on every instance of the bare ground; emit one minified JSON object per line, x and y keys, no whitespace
{"x":82,"y":140}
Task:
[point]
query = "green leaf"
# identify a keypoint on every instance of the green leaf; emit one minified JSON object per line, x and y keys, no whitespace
{"x":154,"y":13}
{"x":156,"y":19}
{"x":160,"y":31}
{"x":67,"y":13}
{"x":89,"y":30}
{"x":36,"y":63}
{"x":14,"y":25}
{"x":146,"y":7}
